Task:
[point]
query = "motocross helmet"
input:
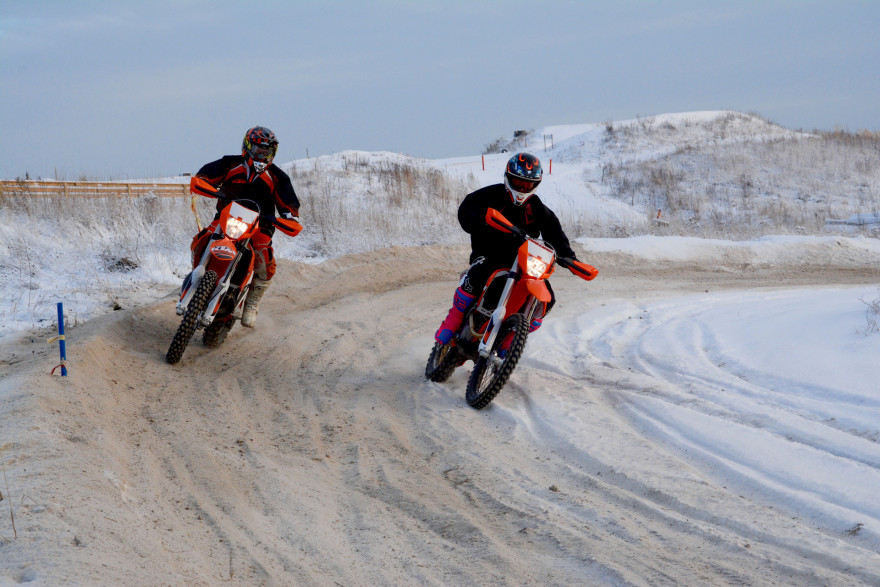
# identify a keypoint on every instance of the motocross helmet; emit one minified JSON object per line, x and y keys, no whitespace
{"x":258,"y":147}
{"x":522,"y":176}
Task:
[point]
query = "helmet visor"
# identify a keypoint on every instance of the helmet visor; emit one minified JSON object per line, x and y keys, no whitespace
{"x":262,"y":153}
{"x":522,"y":185}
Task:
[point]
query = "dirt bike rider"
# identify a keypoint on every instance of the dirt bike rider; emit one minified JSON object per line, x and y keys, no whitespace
{"x":251,"y":176}
{"x":490,"y":249}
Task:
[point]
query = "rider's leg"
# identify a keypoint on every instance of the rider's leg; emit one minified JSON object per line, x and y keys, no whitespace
{"x":264,"y":270}
{"x":471,"y":284}
{"x":461,"y":303}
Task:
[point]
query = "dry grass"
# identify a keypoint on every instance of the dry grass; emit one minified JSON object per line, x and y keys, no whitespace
{"x":364,"y":201}
{"x":872,"y":316}
{"x":737,"y":184}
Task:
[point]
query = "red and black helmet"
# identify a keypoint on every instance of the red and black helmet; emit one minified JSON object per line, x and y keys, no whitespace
{"x":522,"y":176}
{"x":259,"y":147}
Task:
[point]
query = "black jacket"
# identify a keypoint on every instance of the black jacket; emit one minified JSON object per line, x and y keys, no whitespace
{"x":270,"y":189}
{"x":532,"y":216}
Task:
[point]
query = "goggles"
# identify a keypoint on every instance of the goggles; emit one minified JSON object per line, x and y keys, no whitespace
{"x":524,"y":186}
{"x":262,"y":153}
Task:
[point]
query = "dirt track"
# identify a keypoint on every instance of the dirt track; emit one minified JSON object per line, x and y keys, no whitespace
{"x":312,"y":451}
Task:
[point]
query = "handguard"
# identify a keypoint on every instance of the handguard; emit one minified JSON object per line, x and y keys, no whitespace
{"x":496,"y":220}
{"x":582,"y":270}
{"x":288,"y":226}
{"x":199,"y":186}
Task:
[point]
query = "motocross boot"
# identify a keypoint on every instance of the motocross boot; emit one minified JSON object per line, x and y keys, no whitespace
{"x":249,"y":316}
{"x":538,"y":320}
{"x":461,"y":302}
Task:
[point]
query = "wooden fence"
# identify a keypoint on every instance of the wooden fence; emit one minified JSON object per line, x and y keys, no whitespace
{"x":89,"y":189}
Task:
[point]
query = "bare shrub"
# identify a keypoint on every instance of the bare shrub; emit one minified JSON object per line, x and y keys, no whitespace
{"x":872,"y":316}
{"x":610,"y":131}
{"x":499,"y":145}
{"x":519,"y":141}
{"x":384,"y":200}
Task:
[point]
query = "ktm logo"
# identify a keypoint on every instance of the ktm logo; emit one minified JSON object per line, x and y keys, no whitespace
{"x":222,"y":252}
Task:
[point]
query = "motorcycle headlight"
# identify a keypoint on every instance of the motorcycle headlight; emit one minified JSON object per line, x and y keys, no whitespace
{"x":536,"y":267}
{"x":235,"y":227}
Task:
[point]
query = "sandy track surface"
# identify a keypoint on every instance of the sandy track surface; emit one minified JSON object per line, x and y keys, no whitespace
{"x":312,"y":451}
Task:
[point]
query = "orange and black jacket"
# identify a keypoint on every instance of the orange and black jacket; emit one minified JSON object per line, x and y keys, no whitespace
{"x":271,"y":189}
{"x":533,"y":216}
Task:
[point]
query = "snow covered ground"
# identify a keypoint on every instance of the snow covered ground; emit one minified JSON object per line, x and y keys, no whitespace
{"x":769,"y":393}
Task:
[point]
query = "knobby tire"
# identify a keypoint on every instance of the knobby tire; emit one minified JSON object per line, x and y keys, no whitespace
{"x":216,"y":333}
{"x":189,"y":322}
{"x":442,"y":362}
{"x":486,"y":380}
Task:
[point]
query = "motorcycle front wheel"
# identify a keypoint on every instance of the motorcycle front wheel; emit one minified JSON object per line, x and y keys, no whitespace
{"x":491,"y":373}
{"x":188,"y":324}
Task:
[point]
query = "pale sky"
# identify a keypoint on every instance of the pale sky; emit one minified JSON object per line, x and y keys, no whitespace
{"x":123,"y":89}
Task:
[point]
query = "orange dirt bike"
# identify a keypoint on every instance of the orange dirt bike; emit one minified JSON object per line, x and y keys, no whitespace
{"x":213,"y":294}
{"x":493,"y":334}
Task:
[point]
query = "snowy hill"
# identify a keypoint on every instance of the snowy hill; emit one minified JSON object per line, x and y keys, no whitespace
{"x":704,"y":412}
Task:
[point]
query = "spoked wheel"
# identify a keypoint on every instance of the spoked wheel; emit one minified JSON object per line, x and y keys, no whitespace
{"x":216,"y":333}
{"x":491,"y":373}
{"x":442,"y":362}
{"x":188,"y":325}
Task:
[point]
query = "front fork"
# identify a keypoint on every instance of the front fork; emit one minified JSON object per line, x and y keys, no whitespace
{"x":191,"y":281}
{"x":491,"y":334}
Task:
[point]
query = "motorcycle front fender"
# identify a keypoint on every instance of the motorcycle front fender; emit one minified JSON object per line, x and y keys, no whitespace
{"x":221,"y":254}
{"x":539,"y":289}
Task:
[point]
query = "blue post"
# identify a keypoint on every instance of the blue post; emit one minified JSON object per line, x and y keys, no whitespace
{"x":61,"y":340}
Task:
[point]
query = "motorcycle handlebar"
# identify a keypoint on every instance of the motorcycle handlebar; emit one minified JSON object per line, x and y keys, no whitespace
{"x":199,"y":186}
{"x":519,"y":232}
